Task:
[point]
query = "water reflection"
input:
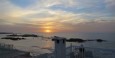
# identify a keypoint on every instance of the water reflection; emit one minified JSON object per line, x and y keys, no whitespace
{"x":48,"y":44}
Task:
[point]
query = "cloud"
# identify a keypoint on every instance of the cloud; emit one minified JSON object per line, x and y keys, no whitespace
{"x":40,"y":15}
{"x":50,"y":3}
{"x":18,"y":29}
{"x":110,"y":5}
{"x":6,"y":9}
{"x":42,"y":11}
{"x":96,"y":27}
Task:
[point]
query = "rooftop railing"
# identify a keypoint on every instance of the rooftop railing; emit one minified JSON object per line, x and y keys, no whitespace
{"x":88,"y":52}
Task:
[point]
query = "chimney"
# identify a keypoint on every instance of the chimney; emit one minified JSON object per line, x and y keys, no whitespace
{"x":60,"y":47}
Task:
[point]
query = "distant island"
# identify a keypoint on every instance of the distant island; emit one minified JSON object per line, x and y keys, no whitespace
{"x":6,"y":33}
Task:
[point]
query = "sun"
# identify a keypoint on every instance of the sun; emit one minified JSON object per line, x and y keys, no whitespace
{"x":47,"y":31}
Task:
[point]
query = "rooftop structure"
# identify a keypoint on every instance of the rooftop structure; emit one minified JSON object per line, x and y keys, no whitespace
{"x":8,"y":51}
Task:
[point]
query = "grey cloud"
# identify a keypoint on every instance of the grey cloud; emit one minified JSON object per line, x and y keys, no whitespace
{"x":111,"y":5}
{"x":18,"y":28}
{"x":95,"y":27}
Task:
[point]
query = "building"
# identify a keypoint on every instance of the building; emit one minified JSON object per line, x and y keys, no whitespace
{"x":7,"y":51}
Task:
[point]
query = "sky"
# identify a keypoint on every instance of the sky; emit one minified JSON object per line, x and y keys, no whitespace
{"x":57,"y":16}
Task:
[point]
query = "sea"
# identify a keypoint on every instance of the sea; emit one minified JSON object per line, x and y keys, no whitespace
{"x":40,"y":45}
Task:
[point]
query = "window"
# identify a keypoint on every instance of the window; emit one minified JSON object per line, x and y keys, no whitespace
{"x":63,"y":41}
{"x":57,"y":41}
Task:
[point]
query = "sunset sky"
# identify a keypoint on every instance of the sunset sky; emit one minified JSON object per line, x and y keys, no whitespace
{"x":57,"y":15}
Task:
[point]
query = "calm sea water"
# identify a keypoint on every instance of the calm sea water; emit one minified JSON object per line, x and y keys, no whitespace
{"x":43,"y":45}
{"x":109,"y":37}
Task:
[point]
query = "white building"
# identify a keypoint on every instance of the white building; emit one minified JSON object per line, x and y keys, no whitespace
{"x":60,"y":47}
